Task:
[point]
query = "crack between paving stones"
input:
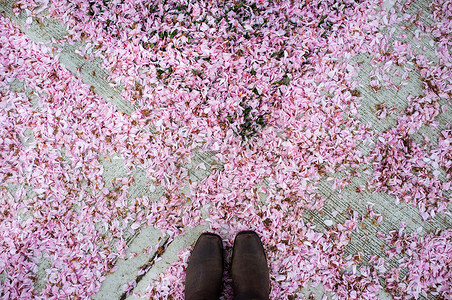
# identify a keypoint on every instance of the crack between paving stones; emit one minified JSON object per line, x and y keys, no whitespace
{"x":148,"y":266}
{"x":101,"y":86}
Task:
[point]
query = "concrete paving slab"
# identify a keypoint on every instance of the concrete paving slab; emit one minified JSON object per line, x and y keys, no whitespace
{"x":169,"y":255}
{"x":141,"y":251}
{"x":53,"y":33}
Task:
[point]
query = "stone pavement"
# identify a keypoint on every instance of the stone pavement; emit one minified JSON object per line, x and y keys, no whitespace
{"x":150,"y":253}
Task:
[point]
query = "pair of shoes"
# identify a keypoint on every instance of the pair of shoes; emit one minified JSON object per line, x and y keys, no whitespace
{"x":250,"y":275}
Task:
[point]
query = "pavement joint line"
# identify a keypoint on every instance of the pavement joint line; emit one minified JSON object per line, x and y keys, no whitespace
{"x":79,"y":66}
{"x":148,"y":266}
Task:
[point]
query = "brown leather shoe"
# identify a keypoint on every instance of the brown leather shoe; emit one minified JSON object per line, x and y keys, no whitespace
{"x":205,"y":269}
{"x":250,"y":275}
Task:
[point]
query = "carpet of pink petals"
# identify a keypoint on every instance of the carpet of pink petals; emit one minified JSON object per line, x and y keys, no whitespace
{"x":270,"y":87}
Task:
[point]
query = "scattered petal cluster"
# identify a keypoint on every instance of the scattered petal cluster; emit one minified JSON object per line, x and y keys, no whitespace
{"x":427,"y":259}
{"x":270,"y":89}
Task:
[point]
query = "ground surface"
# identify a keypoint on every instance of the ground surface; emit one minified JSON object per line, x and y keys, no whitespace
{"x":130,"y":127}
